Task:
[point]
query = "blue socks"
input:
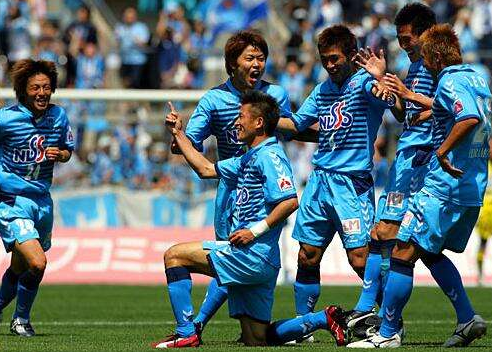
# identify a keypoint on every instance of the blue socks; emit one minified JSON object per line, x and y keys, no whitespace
{"x":386,"y":249}
{"x":291,"y":329}
{"x":8,"y":290}
{"x":306,"y":289}
{"x":214,"y":299}
{"x":396,"y":294}
{"x":449,"y":280}
{"x":27,"y":290}
{"x":179,"y":287}
{"x":372,"y":279}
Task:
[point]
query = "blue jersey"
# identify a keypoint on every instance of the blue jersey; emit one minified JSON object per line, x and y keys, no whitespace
{"x":262,"y":178}
{"x":420,"y":81}
{"x":217,"y":111}
{"x":23,"y":142}
{"x":461,"y":94}
{"x":349,"y":118}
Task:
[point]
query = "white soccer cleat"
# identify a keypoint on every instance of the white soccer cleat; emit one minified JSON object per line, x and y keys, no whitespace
{"x":377,"y":341}
{"x":467,"y":332}
{"x":21,"y":327}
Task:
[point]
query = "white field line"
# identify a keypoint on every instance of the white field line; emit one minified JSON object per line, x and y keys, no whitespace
{"x":169,"y":322}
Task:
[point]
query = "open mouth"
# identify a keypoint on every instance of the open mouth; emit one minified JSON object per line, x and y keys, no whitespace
{"x":42,"y":102}
{"x":255,"y":75}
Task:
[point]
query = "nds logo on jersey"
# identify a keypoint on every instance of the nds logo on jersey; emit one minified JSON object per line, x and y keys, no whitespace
{"x":35,"y":153}
{"x":351,"y":226}
{"x":231,"y":137}
{"x":242,"y":196}
{"x":338,"y":118}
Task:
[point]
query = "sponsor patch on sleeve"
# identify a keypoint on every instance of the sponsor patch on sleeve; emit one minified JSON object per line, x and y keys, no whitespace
{"x":457,"y":106}
{"x":285,"y":183}
{"x":407,"y":218}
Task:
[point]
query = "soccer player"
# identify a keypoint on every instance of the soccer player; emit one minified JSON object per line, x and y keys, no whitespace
{"x":339,"y":194}
{"x":411,"y":164}
{"x":247,"y":264}
{"x":443,"y":213}
{"x":34,"y":135}
{"x":245,"y":54}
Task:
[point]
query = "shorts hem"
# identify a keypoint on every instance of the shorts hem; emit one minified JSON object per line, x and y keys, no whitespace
{"x":214,"y":271}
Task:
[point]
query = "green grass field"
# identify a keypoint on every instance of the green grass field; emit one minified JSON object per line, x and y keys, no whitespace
{"x":129,"y":318}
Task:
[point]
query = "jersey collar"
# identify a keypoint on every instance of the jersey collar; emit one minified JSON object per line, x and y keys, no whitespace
{"x":237,"y":92}
{"x":452,"y":68}
{"x":268,"y":141}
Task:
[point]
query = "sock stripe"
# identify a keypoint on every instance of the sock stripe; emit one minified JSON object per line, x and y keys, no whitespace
{"x":177,"y":273}
{"x":375,"y":246}
{"x":401,"y":266}
{"x":308,"y":275}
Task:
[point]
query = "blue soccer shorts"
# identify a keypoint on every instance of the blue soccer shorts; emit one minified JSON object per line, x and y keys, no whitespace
{"x":23,"y":219}
{"x":224,"y":206}
{"x":334,"y":202}
{"x":249,"y":279}
{"x":436,"y":224}
{"x":405,"y":178}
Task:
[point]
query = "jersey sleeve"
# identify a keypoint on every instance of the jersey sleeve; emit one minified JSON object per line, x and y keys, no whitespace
{"x":198,"y":128}
{"x":307,"y":113}
{"x":228,"y":170}
{"x":2,"y":125}
{"x":278,"y":181}
{"x":457,"y":99}
{"x":66,"y":141}
{"x":284,"y":104}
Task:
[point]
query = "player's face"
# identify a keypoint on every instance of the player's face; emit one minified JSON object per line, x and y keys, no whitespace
{"x":250,"y":67}
{"x":246,"y":124}
{"x":336,"y":63}
{"x":38,"y":93}
{"x":408,"y":41}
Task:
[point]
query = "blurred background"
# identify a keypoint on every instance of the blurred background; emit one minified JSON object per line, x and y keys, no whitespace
{"x":122,"y":174}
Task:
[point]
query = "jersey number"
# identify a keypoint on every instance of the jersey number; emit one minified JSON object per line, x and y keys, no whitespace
{"x":33,"y":171}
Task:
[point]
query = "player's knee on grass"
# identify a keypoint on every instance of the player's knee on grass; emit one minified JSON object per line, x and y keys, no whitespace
{"x":254,"y":333}
{"x":387,"y":230}
{"x":309,"y":256}
{"x":357,"y":259}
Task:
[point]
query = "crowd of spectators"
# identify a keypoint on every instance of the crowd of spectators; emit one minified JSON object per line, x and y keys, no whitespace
{"x":176,"y":38}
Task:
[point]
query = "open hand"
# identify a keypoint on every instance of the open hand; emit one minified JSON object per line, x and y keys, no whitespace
{"x":372,"y":63}
{"x":241,"y":237}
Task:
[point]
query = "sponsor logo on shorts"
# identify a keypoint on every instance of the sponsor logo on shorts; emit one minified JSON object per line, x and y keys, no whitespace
{"x":285,"y":183}
{"x":407,"y":218}
{"x":351,"y":226}
{"x":395,"y":199}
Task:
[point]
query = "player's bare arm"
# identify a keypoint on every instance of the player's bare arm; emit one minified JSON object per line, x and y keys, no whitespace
{"x":286,"y":126}
{"x":396,"y":86}
{"x":201,"y":165}
{"x":280,"y":213}
{"x":458,"y":132}
{"x":58,"y":155}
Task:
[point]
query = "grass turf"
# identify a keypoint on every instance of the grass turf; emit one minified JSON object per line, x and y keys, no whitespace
{"x":129,"y":318}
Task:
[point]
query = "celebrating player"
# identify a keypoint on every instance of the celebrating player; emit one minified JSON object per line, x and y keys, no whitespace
{"x":414,"y":97}
{"x":248,"y":263}
{"x":245,"y":56}
{"x":34,"y":134}
{"x":444,"y":212}
{"x":339,"y":194}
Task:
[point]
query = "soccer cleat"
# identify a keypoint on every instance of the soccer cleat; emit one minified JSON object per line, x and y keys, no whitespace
{"x":467,"y":332}
{"x":337,"y":325}
{"x":21,"y":327}
{"x":377,"y":341}
{"x":362,"y":325}
{"x":176,"y":341}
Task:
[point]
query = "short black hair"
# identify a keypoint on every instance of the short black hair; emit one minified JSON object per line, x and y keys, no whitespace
{"x":263,"y":105}
{"x":419,"y":16}
{"x":340,"y":36}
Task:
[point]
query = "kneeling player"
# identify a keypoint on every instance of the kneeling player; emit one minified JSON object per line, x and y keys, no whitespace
{"x":444,"y":212}
{"x":249,"y":262}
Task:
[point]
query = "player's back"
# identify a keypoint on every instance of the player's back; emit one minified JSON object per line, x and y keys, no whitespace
{"x":462,"y":93}
{"x":217,"y":111}
{"x":24,"y":167}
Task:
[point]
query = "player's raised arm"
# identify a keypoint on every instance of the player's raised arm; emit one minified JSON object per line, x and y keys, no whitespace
{"x":396,"y":86}
{"x":202,"y":166}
